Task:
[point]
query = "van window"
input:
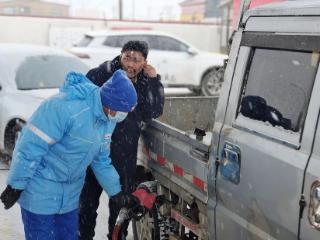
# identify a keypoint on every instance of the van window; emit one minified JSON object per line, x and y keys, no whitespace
{"x":278,"y":85}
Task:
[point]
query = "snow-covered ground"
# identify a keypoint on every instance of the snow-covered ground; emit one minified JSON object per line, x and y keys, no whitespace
{"x":11,"y":227}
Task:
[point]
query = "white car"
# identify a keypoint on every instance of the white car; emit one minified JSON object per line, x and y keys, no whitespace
{"x":179,"y":63}
{"x":28,"y":75}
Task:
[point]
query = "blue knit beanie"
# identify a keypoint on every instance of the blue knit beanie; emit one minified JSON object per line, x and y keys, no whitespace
{"x":118,"y":93}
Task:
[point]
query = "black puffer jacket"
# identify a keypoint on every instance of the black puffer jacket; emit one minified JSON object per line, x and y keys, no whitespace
{"x":125,"y":137}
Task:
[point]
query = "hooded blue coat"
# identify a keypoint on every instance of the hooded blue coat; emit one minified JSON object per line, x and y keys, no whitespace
{"x":66,"y":134}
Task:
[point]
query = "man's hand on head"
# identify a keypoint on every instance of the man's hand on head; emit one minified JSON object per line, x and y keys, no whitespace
{"x":149,"y":71}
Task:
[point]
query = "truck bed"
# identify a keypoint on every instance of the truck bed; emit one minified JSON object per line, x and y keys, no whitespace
{"x":171,"y":150}
{"x":187,"y":113}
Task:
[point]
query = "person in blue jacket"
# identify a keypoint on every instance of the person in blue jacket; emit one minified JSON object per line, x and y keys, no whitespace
{"x":66,"y":134}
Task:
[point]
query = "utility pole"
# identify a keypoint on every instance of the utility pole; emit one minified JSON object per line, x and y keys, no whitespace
{"x":120,"y":9}
{"x":133,"y":9}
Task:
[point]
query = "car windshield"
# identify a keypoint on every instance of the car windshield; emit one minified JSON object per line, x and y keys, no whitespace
{"x":46,"y":71}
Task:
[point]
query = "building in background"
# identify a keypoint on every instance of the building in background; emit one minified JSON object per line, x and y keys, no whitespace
{"x":212,"y":12}
{"x":34,"y":8}
{"x":229,"y":10}
{"x":226,"y":10}
{"x":88,"y":13}
{"x":192,"y":10}
{"x":200,"y":11}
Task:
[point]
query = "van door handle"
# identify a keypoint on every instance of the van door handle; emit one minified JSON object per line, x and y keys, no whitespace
{"x":230,"y":163}
{"x":200,"y":154}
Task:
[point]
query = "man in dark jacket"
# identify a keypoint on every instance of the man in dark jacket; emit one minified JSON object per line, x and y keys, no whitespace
{"x":124,"y":145}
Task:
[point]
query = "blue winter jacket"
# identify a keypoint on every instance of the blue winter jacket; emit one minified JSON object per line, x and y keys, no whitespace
{"x":66,"y":134}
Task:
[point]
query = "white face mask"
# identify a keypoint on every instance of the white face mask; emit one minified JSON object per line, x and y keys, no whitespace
{"x":118,"y":117}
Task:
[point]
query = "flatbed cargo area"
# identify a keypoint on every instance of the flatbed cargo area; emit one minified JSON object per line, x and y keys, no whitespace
{"x":182,"y":115}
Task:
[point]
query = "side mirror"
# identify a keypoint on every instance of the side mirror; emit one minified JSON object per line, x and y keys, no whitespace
{"x":192,"y":51}
{"x":74,"y":44}
{"x":253,"y":107}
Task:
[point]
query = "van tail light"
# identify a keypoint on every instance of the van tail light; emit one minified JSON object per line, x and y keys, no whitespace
{"x":314,"y":206}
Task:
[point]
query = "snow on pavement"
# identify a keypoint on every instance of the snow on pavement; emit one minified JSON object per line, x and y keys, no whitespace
{"x":11,"y":227}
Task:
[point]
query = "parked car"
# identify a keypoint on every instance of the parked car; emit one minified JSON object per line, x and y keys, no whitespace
{"x":179,"y":63}
{"x":28,"y":75}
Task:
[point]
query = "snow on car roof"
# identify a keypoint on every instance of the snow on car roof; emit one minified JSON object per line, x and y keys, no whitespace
{"x":28,"y":50}
{"x":103,"y":33}
{"x":286,"y":8}
{"x":12,"y":55}
{"x":126,"y":32}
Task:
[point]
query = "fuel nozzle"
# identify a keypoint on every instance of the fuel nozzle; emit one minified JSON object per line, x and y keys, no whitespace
{"x":122,"y":216}
{"x":146,"y":199}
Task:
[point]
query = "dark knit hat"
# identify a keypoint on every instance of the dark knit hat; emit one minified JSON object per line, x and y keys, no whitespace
{"x":139,"y":46}
{"x":118,"y":93}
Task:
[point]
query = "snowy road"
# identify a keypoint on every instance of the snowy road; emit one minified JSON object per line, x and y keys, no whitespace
{"x":11,"y":227}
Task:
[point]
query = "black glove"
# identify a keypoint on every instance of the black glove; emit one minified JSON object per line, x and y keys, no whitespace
{"x":10,"y":196}
{"x":124,"y":199}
